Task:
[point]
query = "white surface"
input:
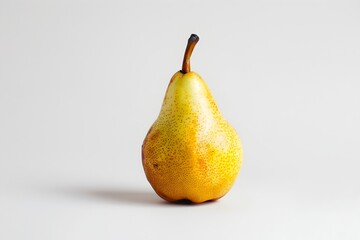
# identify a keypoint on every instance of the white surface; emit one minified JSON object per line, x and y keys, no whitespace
{"x":82,"y":81}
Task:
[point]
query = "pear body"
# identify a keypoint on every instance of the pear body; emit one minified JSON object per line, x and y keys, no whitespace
{"x":191,"y":152}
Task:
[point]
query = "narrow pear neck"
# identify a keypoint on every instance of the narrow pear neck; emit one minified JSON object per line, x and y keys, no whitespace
{"x":188,"y":97}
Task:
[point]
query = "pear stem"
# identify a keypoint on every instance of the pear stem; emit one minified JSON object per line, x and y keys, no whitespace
{"x":189,"y":49}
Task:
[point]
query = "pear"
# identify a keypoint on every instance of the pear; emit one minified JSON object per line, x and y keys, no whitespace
{"x":191,"y":152}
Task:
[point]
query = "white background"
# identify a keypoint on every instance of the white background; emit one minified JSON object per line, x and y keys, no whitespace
{"x":81,"y":82}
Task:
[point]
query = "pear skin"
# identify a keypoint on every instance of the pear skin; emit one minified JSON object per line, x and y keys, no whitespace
{"x":191,"y":152}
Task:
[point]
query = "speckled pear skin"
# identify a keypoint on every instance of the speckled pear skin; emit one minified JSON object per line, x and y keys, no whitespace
{"x":191,"y":152}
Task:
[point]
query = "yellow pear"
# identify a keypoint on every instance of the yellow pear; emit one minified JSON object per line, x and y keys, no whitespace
{"x":191,"y":152}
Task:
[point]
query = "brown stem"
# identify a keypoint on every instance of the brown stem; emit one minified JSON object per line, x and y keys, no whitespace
{"x":189,"y":48}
